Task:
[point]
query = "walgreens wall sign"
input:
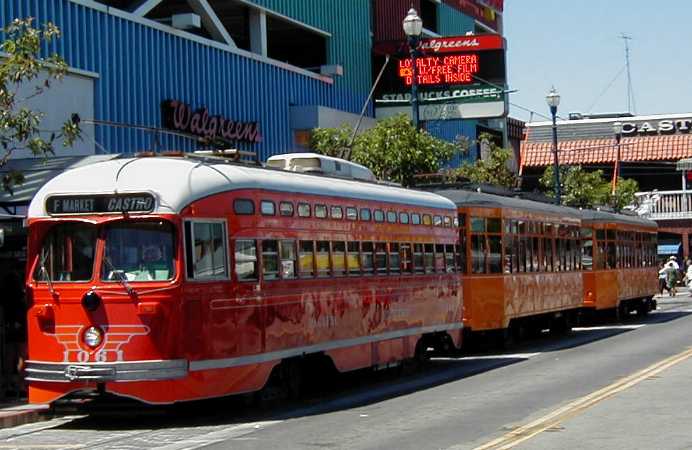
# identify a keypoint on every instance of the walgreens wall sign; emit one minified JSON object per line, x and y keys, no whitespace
{"x":181,"y":117}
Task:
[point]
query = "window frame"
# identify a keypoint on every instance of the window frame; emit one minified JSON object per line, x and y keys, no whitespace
{"x":267,"y":202}
{"x":248,"y":200}
{"x":229,"y":263}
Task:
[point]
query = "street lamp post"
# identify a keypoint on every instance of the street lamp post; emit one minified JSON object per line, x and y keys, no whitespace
{"x":413,"y":27}
{"x":553,"y":100}
{"x":617,"y":132}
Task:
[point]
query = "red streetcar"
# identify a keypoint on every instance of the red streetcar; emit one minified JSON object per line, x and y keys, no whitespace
{"x":177,"y":278}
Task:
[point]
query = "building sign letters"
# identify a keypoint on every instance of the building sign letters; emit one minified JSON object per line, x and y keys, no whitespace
{"x":179,"y":116}
{"x":666,"y":126}
{"x":99,"y":204}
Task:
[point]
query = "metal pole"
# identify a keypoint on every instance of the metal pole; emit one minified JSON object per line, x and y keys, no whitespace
{"x":413,"y":49}
{"x":556,"y":168}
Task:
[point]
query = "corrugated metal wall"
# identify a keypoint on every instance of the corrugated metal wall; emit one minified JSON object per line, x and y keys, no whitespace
{"x":349,"y":23}
{"x":140,"y":66}
{"x":389,"y":15}
{"x":452,"y":22}
{"x":449,"y":130}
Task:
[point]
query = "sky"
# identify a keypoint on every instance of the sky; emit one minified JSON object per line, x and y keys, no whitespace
{"x":575,"y":45}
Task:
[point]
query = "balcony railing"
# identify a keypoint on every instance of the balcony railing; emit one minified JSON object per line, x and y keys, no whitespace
{"x":665,"y":205}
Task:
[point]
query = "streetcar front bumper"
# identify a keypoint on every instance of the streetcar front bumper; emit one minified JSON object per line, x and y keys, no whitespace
{"x":101,"y":372}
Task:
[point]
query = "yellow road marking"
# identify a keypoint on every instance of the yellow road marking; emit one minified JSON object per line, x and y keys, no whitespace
{"x":525,"y":432}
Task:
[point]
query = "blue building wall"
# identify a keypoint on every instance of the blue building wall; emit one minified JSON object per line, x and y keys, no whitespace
{"x":139,"y":66}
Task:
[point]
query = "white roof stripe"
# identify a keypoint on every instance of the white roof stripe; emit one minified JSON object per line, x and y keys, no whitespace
{"x":177,"y":182}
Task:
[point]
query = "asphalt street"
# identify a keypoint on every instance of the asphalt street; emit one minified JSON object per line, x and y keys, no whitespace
{"x":617,"y":385}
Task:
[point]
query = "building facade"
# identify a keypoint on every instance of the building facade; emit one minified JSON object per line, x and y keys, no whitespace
{"x":649,"y":149}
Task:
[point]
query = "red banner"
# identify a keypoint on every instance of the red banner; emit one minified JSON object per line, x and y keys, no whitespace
{"x":451,"y":44}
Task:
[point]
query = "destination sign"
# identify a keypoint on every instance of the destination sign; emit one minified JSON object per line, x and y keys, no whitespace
{"x":99,"y":204}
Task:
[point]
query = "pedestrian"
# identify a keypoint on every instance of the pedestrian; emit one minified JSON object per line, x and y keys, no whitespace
{"x":662,"y":283}
{"x":671,"y":270}
{"x":688,"y":275}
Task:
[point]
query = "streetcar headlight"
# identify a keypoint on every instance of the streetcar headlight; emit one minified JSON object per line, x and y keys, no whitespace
{"x":93,"y":337}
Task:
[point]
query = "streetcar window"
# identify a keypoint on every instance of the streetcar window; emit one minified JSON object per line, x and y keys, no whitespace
{"x":447,"y":221}
{"x":437,"y":221}
{"x":510,"y":256}
{"x":303,"y":210}
{"x":288,"y":259}
{"x":206,"y":250}
{"x":478,"y":253}
{"x":610,"y":234}
{"x":427,"y":219}
{"x":243,"y":206}
{"x":461,"y":256}
{"x":351,"y":213}
{"x":406,"y":261}
{"x":403,"y":218}
{"x":429,"y":257}
{"x":306,"y":258}
{"x":365,"y":215}
{"x":439,"y":258}
{"x":394,"y":258}
{"x":415,"y":219}
{"x":449,"y":258}
{"x":267,"y":208}
{"x":495,"y":254}
{"x":391,"y":216}
{"x":455,"y":221}
{"x":381,"y":257}
{"x":336,"y":212}
{"x":286,"y":209}
{"x":366,"y":257}
{"x":322,"y":258}
{"x":535,"y":242}
{"x":477,"y":225}
{"x":548,"y":254}
{"x":138,"y":252}
{"x":494,"y":225}
{"x":270,"y":260}
{"x":245,"y":259}
{"x":353,"y":259}
{"x":610,"y":256}
{"x":321,"y":211}
{"x":379,"y":215}
{"x":67,"y":253}
{"x":418,"y":257}
{"x":339,"y":258}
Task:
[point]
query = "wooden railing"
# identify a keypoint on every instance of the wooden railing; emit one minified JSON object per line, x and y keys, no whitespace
{"x":665,"y":205}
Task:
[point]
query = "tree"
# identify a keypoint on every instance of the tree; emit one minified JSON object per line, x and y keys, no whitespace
{"x":492,"y":170}
{"x":581,"y":188}
{"x":22,"y":66}
{"x":394,"y":150}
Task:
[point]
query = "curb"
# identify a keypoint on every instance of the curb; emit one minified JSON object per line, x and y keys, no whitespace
{"x":13,"y":416}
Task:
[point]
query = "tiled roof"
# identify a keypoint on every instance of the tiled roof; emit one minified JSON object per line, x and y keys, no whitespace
{"x":589,"y":151}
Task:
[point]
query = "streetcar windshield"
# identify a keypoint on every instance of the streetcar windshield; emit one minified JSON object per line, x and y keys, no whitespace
{"x":67,"y":253}
{"x":142,"y":251}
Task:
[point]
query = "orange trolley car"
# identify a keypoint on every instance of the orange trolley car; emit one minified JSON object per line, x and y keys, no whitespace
{"x":176,"y":278}
{"x":522,"y":267}
{"x":619,"y":262}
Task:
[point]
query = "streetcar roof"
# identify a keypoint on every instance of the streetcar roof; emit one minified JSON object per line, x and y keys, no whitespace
{"x":463,"y":198}
{"x":176,"y":182}
{"x":593,"y":216}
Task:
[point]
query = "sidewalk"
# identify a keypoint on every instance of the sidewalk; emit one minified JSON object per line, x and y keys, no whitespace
{"x":19,"y":413}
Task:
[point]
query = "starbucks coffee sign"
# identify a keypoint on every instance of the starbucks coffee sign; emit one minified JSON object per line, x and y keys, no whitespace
{"x":651,"y":127}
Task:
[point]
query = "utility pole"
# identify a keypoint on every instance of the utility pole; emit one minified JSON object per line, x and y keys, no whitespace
{"x":631,"y":105}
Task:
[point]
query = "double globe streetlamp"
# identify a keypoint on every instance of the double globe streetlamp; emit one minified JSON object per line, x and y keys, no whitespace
{"x":617,"y":133}
{"x":413,"y":27}
{"x":553,"y":100}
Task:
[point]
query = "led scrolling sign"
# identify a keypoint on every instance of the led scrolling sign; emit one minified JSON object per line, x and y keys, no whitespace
{"x":435,"y":70}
